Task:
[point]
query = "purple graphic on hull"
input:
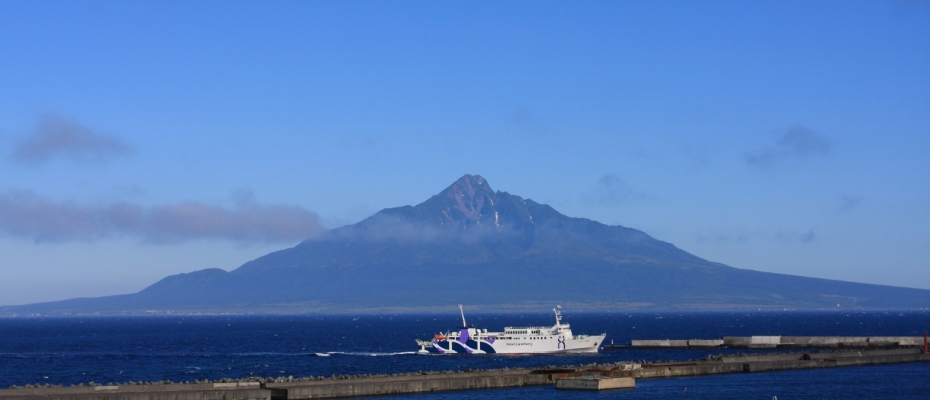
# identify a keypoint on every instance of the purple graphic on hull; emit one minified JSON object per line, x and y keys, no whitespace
{"x":463,"y":338}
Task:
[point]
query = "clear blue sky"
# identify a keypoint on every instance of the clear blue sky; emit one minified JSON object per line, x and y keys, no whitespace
{"x":142,"y":139}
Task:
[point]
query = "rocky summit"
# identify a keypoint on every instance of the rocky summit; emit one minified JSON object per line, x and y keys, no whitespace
{"x":489,"y":249}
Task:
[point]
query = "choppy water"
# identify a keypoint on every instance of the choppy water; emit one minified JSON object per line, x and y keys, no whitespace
{"x":118,"y":349}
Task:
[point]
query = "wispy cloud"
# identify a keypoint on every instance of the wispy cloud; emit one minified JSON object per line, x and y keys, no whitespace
{"x":56,"y":136}
{"x":796,"y":237}
{"x":797,"y":142}
{"x":697,"y":158}
{"x":802,"y":237}
{"x":849,"y":202}
{"x":392,"y":226}
{"x":522,"y":117}
{"x":612,"y":189}
{"x":807,"y":237}
{"x":27,"y":215}
{"x":740,"y":237}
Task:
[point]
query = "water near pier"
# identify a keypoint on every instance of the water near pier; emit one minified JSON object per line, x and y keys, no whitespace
{"x":72,"y":350}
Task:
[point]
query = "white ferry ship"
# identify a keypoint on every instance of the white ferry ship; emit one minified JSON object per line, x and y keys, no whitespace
{"x":513,"y":340}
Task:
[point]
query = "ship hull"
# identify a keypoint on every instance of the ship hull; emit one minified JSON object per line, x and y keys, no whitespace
{"x":588,"y":344}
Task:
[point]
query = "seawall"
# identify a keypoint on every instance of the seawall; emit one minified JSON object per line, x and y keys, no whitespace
{"x":319,"y":388}
{"x":405,"y":384}
{"x":203,"y":391}
{"x":780,"y":342}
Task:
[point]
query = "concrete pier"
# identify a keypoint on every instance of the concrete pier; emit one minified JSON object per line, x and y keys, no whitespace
{"x":405,"y":384}
{"x":779,"y":342}
{"x":202,"y":391}
{"x":318,"y":388}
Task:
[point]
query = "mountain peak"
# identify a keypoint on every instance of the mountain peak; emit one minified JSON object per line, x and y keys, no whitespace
{"x":471,"y":182}
{"x":468,"y":209}
{"x":470,"y":195}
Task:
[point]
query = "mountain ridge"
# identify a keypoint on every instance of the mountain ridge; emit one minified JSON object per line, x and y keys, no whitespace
{"x":471,"y":244}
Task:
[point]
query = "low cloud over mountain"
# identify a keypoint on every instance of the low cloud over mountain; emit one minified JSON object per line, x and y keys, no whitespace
{"x":27,"y":215}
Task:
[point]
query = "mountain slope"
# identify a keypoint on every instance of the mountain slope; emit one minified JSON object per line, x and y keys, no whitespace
{"x":472,"y":245}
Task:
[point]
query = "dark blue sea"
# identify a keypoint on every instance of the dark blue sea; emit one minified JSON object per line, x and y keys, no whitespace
{"x":184,"y":348}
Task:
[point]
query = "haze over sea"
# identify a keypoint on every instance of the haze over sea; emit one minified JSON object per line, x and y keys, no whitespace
{"x":184,"y":348}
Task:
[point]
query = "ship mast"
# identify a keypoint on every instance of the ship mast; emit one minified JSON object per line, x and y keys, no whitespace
{"x":558,"y":316}
{"x":464,"y":325}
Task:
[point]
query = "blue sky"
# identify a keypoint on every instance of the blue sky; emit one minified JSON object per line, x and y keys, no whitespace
{"x":142,"y":139}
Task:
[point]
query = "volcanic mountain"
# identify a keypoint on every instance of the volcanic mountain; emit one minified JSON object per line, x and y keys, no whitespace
{"x":472,"y":245}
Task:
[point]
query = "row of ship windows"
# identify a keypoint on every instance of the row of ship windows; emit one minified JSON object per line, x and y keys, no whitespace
{"x":530,"y":338}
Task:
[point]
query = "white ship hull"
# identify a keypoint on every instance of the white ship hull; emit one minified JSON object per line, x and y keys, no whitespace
{"x":513,"y":340}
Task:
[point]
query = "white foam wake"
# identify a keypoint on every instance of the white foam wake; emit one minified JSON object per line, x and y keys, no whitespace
{"x":363,"y":354}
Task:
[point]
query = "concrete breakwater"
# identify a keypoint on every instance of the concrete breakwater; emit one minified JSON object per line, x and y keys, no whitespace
{"x":199,"y":391}
{"x":406,"y":384}
{"x":781,"y":362}
{"x":425,"y":382}
{"x":778,"y":342}
{"x":287,"y":388}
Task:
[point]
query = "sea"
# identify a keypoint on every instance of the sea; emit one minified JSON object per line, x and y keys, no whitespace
{"x":71,"y":350}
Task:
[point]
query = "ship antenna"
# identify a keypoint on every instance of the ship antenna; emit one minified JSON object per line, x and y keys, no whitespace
{"x":463,"y":316}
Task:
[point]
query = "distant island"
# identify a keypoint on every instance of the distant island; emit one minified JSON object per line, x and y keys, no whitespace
{"x":492,"y":250}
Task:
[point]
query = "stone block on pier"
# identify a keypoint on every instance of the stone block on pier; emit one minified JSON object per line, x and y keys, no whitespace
{"x":595,"y":383}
